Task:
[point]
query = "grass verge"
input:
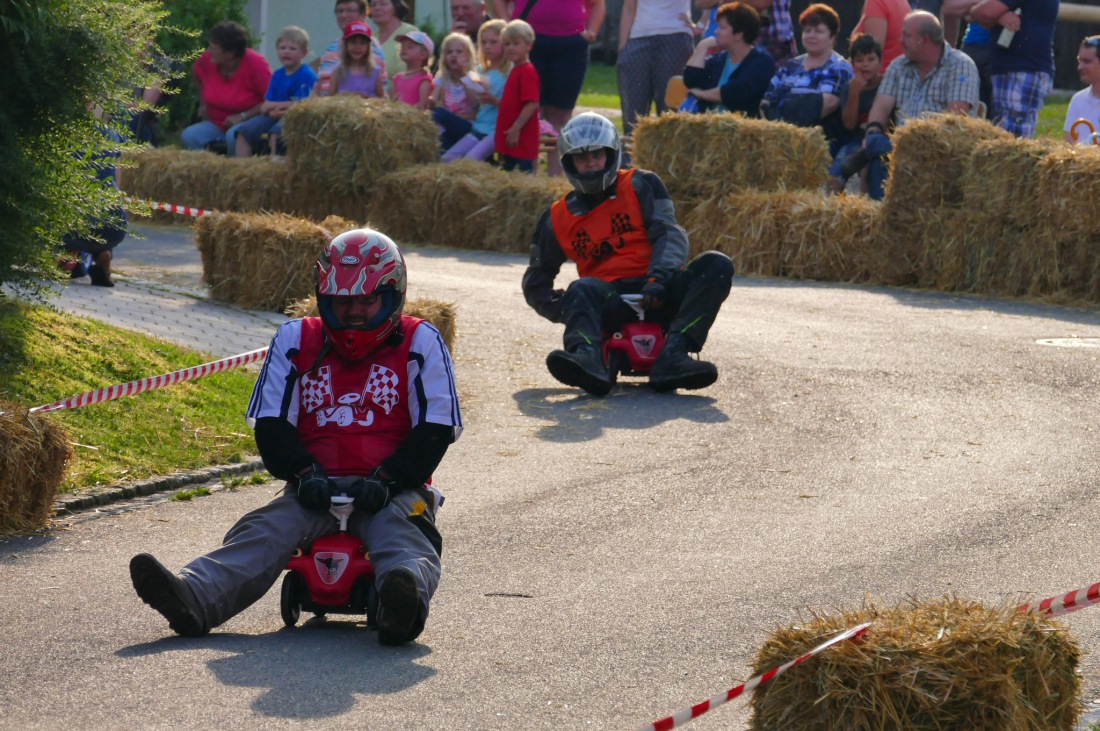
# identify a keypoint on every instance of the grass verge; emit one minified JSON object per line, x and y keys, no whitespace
{"x":46,"y":356}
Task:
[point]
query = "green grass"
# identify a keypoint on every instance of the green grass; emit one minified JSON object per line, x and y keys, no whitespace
{"x":46,"y":356}
{"x":601,"y":87}
{"x":1052,"y":118}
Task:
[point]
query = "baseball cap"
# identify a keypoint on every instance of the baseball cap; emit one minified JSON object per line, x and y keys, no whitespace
{"x":419,"y":36}
{"x":356,"y":28}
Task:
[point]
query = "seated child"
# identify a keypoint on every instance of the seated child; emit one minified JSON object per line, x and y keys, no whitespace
{"x":856,"y":99}
{"x":293,"y":82}
{"x":479,"y":142}
{"x":455,"y":95}
{"x":359,"y":71}
{"x":414,"y":86}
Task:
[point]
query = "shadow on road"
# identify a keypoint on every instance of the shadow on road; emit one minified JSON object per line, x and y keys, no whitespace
{"x":578,"y":417}
{"x":315,"y":671}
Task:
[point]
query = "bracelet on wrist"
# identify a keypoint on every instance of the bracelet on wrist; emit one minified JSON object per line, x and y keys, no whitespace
{"x":875,"y":127}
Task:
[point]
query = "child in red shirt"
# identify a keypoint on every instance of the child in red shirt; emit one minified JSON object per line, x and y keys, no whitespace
{"x":517,"y":133}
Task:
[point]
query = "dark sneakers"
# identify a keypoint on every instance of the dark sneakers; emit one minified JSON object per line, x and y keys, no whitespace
{"x":584,"y":369}
{"x":674,"y":368}
{"x":168,"y":594}
{"x":399,"y":608}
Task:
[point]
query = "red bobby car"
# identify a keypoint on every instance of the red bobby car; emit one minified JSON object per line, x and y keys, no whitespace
{"x":632,"y":349}
{"x":332,"y":576}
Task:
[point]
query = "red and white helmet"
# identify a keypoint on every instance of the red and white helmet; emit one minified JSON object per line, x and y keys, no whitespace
{"x":360,"y":263}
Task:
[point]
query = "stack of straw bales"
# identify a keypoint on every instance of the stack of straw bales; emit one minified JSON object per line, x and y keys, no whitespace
{"x":339,"y":146}
{"x":439,"y":313}
{"x":466,"y":204}
{"x":798,"y":234}
{"x":948,"y":664}
{"x":34,"y":450}
{"x":924,"y":197}
{"x":262,"y":261}
{"x":711,"y":155}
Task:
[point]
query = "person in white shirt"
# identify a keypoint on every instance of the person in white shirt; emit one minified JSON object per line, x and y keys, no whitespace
{"x":1085,"y":104}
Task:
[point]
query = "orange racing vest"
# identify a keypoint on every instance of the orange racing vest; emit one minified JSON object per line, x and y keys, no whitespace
{"x":610,"y":241}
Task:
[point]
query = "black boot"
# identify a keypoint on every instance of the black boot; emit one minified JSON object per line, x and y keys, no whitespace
{"x":398,"y":608}
{"x":168,"y":594}
{"x":583,"y":368}
{"x":674,"y":368}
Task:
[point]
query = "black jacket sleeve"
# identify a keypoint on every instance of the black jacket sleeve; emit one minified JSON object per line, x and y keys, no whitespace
{"x":280,"y":448}
{"x":547,"y":258}
{"x":747,"y":84}
{"x":669,"y":240}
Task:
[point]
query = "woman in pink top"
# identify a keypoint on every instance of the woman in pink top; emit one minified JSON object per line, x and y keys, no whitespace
{"x":882,"y":19}
{"x":563,"y":30}
{"x":232,"y":81}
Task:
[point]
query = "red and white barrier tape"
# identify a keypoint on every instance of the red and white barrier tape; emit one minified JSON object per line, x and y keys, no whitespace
{"x":148,"y":384}
{"x":1064,"y":604}
{"x":686,"y":714}
{"x":170,"y":207}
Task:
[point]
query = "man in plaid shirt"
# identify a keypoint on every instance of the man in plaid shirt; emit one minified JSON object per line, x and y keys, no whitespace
{"x":929,"y":77}
{"x":1023,"y":72}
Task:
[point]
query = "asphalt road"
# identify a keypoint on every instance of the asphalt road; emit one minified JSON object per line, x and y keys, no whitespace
{"x":610,"y":561}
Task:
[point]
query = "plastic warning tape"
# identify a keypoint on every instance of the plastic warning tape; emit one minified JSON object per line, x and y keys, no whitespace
{"x":148,"y":384}
{"x":1064,"y":603}
{"x":686,"y":714}
{"x":170,"y":207}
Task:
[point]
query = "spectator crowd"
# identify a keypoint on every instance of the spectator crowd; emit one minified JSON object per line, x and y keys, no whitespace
{"x":507,"y":76}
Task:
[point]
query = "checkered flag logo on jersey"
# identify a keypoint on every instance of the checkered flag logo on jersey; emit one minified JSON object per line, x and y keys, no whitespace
{"x":382,"y":387}
{"x":316,"y":390}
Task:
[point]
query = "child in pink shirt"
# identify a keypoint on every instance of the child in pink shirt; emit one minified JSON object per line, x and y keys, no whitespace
{"x":414,"y":86}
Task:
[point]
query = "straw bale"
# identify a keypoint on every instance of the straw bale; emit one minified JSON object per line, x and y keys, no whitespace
{"x":205,"y":180}
{"x":259,"y":261}
{"x":34,"y":450}
{"x":798,"y":234}
{"x":439,"y":313}
{"x":1069,"y":183}
{"x":945,"y":664}
{"x":466,"y":204}
{"x":710,"y":155}
{"x":339,"y":146}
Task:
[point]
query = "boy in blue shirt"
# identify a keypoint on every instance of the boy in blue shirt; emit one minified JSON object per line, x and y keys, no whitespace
{"x":292,"y":83}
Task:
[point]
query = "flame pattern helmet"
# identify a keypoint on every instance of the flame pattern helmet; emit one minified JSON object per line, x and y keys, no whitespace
{"x":360,"y":263}
{"x":585,"y":133}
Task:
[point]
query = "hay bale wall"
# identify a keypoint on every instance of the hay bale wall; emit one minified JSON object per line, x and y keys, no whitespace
{"x":466,"y":204}
{"x":262,"y":261}
{"x":34,"y":450}
{"x":947,"y":664}
{"x":439,"y":313}
{"x":339,"y":146}
{"x":798,"y":234}
{"x":711,"y":155}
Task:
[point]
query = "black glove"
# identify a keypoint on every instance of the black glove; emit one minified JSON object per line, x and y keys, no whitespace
{"x":654,"y":294}
{"x":372,"y":493}
{"x":315,"y":489}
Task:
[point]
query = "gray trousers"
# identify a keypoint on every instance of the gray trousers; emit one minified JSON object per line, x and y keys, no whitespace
{"x":645,"y":66}
{"x":256,"y":550}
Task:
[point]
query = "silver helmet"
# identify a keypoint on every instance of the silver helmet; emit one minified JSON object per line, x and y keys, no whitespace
{"x":585,"y":133}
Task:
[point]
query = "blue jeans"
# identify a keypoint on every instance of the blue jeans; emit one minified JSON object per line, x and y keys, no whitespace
{"x":253,"y":130}
{"x":452,"y":127}
{"x":878,"y":146}
{"x":201,"y":134}
{"x":838,"y":157}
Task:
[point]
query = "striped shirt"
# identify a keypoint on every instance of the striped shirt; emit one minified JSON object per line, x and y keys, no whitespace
{"x":432,"y":396}
{"x":954,"y":79}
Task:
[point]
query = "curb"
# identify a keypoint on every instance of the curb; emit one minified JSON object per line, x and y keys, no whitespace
{"x":70,"y":505}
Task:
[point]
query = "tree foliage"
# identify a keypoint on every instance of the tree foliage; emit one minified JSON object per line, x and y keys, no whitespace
{"x":61,"y":61}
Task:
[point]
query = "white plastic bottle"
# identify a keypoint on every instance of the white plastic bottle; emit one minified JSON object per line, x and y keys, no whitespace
{"x":1004,"y":40}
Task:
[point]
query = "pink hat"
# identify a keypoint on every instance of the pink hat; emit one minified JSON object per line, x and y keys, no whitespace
{"x":419,"y":36}
{"x":356,"y":28}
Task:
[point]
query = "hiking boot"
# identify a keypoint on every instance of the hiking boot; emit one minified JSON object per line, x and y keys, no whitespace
{"x":168,"y":594}
{"x":398,"y":608}
{"x":674,"y":368}
{"x":583,"y":368}
{"x":100,"y":277}
{"x":853,"y":163}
